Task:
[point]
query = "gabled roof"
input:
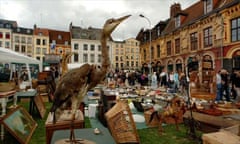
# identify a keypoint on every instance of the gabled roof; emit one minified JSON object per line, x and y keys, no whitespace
{"x":43,"y":31}
{"x":196,"y":12}
{"x":192,"y":13}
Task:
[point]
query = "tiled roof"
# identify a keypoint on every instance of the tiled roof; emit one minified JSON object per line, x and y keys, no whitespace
{"x":43,"y":31}
{"x":196,"y":12}
{"x":191,"y":14}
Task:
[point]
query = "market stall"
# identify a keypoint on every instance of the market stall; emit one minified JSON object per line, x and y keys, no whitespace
{"x":12,"y":57}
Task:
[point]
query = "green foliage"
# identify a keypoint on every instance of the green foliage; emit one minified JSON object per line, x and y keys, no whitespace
{"x":169,"y":136}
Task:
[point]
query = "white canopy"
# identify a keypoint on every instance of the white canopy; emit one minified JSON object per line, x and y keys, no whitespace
{"x":74,"y":65}
{"x":10,"y":56}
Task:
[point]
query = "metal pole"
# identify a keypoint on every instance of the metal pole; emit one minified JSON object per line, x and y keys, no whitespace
{"x":150,"y":43}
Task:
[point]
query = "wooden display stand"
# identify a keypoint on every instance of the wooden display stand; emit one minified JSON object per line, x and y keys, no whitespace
{"x":62,"y":124}
{"x":205,"y":89}
{"x":230,"y":135}
{"x":222,"y":137}
{"x":209,"y":123}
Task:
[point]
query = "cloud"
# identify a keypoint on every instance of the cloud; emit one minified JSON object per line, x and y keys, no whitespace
{"x":57,"y":14}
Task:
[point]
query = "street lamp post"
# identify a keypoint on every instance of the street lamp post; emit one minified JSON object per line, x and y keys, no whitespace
{"x":150,"y":43}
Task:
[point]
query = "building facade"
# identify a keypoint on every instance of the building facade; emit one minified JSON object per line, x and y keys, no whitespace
{"x":204,"y":37}
{"x":86,"y":45}
{"x":6,"y":27}
{"x":22,"y":40}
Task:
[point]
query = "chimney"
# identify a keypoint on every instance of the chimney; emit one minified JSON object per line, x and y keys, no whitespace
{"x":34,"y":26}
{"x":174,"y":9}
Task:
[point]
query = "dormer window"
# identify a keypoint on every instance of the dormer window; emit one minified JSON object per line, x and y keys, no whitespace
{"x":59,"y":37}
{"x":208,"y":6}
{"x":177,"y":21}
{"x":158,"y":31}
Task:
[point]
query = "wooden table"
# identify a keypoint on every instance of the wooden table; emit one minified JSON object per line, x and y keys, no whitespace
{"x":28,"y":94}
{"x":62,"y":125}
{"x":4,"y":98}
{"x":87,"y":133}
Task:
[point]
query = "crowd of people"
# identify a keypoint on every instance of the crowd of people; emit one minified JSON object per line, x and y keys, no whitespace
{"x":227,"y":84}
{"x":176,"y":81}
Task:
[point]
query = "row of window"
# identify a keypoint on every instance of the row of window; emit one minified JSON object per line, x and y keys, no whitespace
{"x":5,"y":35}
{"x":121,"y":65}
{"x":6,"y":44}
{"x":207,"y":38}
{"x":120,"y":58}
{"x":85,"y":58}
{"x":85,"y":47}
{"x":23,"y":39}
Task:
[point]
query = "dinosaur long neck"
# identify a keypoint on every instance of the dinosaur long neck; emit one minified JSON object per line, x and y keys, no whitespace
{"x":105,"y":54}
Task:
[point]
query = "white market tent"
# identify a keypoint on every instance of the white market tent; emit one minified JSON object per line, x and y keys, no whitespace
{"x":74,"y":65}
{"x":10,"y":56}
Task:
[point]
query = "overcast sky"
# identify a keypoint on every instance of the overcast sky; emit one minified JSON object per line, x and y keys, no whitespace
{"x":58,"y":14}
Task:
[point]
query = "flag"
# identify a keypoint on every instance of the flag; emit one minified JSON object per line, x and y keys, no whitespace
{"x":53,"y":46}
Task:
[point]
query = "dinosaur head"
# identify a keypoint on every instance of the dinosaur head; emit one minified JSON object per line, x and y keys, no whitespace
{"x":112,"y":23}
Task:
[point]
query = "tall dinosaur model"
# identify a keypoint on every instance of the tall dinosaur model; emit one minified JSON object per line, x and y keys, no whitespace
{"x":74,"y":85}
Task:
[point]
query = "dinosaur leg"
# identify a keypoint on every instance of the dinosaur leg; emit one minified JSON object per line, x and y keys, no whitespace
{"x":72,"y":138}
{"x":160,"y":128}
{"x":176,"y":122}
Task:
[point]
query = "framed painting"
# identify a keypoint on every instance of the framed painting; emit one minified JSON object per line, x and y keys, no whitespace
{"x":40,"y":105}
{"x":20,"y":124}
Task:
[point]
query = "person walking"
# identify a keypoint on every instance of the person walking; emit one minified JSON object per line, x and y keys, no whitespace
{"x":225,"y":85}
{"x":219,"y":86}
{"x":176,"y":81}
{"x":237,"y":87}
{"x":154,"y":82}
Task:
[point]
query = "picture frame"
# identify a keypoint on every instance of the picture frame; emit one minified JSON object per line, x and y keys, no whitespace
{"x":40,"y":105}
{"x":20,"y":124}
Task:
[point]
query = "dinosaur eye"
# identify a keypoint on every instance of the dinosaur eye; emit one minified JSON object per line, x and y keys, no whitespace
{"x":111,"y":21}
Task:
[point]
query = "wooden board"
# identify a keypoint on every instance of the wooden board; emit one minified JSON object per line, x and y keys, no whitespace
{"x":40,"y":105}
{"x":222,"y":137}
{"x":213,"y":120}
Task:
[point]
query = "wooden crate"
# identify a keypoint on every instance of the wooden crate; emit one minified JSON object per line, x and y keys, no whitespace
{"x":121,"y":124}
{"x":222,"y":137}
{"x":154,"y":122}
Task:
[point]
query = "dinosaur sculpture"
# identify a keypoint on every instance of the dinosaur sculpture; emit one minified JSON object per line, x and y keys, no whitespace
{"x":175,"y":110}
{"x":65,"y":60}
{"x":74,"y":85}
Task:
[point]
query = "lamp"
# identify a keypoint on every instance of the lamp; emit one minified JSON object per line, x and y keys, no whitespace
{"x":150,"y":43}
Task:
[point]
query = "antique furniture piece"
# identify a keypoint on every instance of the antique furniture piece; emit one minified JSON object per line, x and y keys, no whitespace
{"x":30,"y":95}
{"x":62,"y":124}
{"x":20,"y":124}
{"x":4,"y":98}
